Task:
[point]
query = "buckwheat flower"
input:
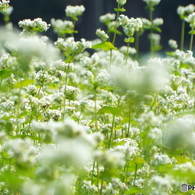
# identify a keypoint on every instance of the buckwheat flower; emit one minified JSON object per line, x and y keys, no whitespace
{"x":110,"y":158}
{"x":191,"y":20}
{"x":161,"y":183}
{"x":160,"y":159}
{"x":152,"y":3}
{"x":62,"y":27}
{"x":130,"y":25}
{"x":121,"y":2}
{"x":173,"y":44}
{"x":86,"y":185}
{"x":74,"y":11}
{"x":155,"y":134}
{"x":146,"y":23}
{"x":183,"y":12}
{"x":158,"y":21}
{"x":36,"y":25}
{"x":180,"y":133}
{"x":127,"y":50}
{"x":155,"y":38}
{"x":187,"y":167}
{"x":4,"y":4}
{"x":22,"y":151}
{"x":103,"y":77}
{"x":117,"y":184}
{"x":7,"y":12}
{"x":101,"y":33}
{"x":107,"y":18}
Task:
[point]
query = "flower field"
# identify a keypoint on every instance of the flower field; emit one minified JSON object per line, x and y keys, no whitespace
{"x":80,"y":117}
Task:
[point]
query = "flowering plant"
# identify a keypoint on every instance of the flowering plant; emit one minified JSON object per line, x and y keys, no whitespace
{"x":104,"y":122}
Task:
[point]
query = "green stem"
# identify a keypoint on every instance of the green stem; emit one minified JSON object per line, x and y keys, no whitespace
{"x":128,"y":44}
{"x":151,"y":31}
{"x":191,"y":40}
{"x":129,"y":121}
{"x":135,"y":174}
{"x":95,"y":109}
{"x":112,"y":130}
{"x":137,"y":45}
{"x":92,"y":173}
{"x":117,"y":15}
{"x":182,"y":34}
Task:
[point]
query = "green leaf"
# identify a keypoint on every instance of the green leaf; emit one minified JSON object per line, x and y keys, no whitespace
{"x":192,"y":32}
{"x":105,"y":46}
{"x":23,"y":83}
{"x":129,"y":40}
{"x":156,"y":29}
{"x":107,"y":87}
{"x":4,"y":73}
{"x":170,"y":54}
{"x":109,"y":109}
{"x":135,"y":190}
{"x":120,"y":9}
{"x":156,"y":48}
{"x":115,"y":31}
{"x":139,"y":160}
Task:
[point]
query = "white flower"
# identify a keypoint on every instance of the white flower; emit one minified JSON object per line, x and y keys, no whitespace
{"x":127,"y":50}
{"x":157,"y":21}
{"x":130,"y":25}
{"x":121,"y":2}
{"x":173,"y":44}
{"x":152,"y":2}
{"x":101,"y":33}
{"x":74,"y":11}
{"x":180,"y":133}
{"x":4,"y":4}
{"x":33,"y":25}
{"x":62,"y":27}
{"x":191,"y":20}
{"x":107,"y":18}
{"x":160,"y":159}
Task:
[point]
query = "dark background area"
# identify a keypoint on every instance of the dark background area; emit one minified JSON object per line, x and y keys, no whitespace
{"x":89,"y":22}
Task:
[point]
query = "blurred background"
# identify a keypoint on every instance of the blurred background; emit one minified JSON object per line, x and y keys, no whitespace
{"x":89,"y":22}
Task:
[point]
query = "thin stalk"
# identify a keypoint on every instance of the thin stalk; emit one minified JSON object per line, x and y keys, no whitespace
{"x":101,"y":188}
{"x":129,"y":121}
{"x":191,"y":40}
{"x":65,"y":87}
{"x":112,"y":130}
{"x":128,"y":45}
{"x":117,"y":15}
{"x":182,"y":34}
{"x":95,"y":109}
{"x":151,"y":31}
{"x":137,"y":45}
{"x":109,"y":66}
{"x":92,"y":173}
{"x":135,"y":174}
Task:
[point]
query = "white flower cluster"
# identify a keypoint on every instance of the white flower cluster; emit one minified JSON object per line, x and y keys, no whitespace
{"x":130,"y":25}
{"x":36,"y":25}
{"x":62,"y":27}
{"x":121,"y":2}
{"x":70,"y":46}
{"x":173,"y":44}
{"x":191,"y":20}
{"x":185,"y":11}
{"x":152,"y":3}
{"x":101,"y":33}
{"x":107,"y":18}
{"x":74,"y":11}
{"x":157,"y":22}
{"x":4,"y":4}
